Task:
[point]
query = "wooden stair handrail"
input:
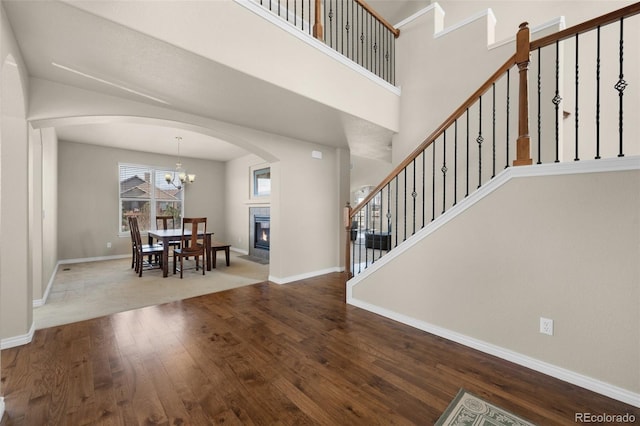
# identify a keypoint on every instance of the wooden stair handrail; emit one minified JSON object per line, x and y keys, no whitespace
{"x":589,"y":25}
{"x":317,"y":26}
{"x":387,"y":25}
{"x":436,"y":133}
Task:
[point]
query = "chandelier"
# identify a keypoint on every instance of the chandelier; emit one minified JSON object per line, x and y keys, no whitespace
{"x":180,"y":176}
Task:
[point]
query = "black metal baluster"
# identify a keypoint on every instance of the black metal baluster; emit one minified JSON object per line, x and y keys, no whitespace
{"x":370,"y":42}
{"x":353,"y":250}
{"x":360,"y":223}
{"x":577,"y":158}
{"x":389,"y":210}
{"x":539,"y":111}
{"x":381,"y":225}
{"x":359,"y":46}
{"x":393,"y":59}
{"x":342,"y":27}
{"x":330,"y":23}
{"x":597,"y":157}
{"x":366,"y":221}
{"x":443,"y":169}
{"x":347,"y":27}
{"x":479,"y":141}
{"x":404,"y":207}
{"x":493,"y":133}
{"x":467,"y":193}
{"x":354,"y":28}
{"x":433,"y":180}
{"x":424,"y":184}
{"x":455,"y":163}
{"x":620,"y":86}
{"x":556,"y":101}
{"x":396,"y":179}
{"x":353,"y":255}
{"x":414,"y":194}
{"x":508,"y":105}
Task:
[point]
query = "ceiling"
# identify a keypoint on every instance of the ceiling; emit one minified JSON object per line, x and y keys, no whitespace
{"x":64,"y":44}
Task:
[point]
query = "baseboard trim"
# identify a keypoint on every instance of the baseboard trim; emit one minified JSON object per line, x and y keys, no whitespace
{"x":40,"y":302}
{"x":92,"y":259}
{"x":12,"y":342}
{"x":560,"y":373}
{"x":292,"y":278}
{"x":238,"y":250}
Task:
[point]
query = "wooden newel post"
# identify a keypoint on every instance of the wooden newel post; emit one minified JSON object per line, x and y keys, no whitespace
{"x":523,"y":145}
{"x":347,"y":250}
{"x":317,"y":25}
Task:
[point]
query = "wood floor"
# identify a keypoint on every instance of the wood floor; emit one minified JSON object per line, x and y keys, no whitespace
{"x":262,"y":355}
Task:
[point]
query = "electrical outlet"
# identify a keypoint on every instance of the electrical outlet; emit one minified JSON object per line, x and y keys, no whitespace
{"x":109,"y":244}
{"x":546,"y":326}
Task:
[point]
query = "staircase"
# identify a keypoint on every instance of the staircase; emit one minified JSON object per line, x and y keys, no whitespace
{"x":522,"y":204}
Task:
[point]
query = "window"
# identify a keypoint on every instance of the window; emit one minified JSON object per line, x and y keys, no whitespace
{"x":262,"y":182}
{"x":145,"y":193}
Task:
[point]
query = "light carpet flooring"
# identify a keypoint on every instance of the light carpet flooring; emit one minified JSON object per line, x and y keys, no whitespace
{"x":82,"y":291}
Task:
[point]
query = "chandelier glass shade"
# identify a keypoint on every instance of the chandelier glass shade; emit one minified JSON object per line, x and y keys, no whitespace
{"x":179,"y":177}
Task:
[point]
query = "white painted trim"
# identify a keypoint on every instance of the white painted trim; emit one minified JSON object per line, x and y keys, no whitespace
{"x":419,"y":13}
{"x":560,"y":22}
{"x":40,"y":302}
{"x":1,"y":407}
{"x":569,"y":376}
{"x":238,"y":250}
{"x":292,"y":278}
{"x":487,"y":12}
{"x":296,"y":32}
{"x":14,"y":341}
{"x":552,"y":169}
{"x":93,"y":259}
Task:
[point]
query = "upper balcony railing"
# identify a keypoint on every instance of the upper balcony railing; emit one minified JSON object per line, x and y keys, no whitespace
{"x":580,"y":110}
{"x":351,"y":27}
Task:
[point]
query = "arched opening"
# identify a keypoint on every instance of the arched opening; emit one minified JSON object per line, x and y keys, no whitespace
{"x":15,"y":291}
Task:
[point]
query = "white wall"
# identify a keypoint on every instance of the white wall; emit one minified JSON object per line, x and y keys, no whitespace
{"x":561,"y":247}
{"x":35,"y":212}
{"x":245,"y":31}
{"x":15,"y":270}
{"x":306,"y":206}
{"x":49,"y":205}
{"x":88,"y":197}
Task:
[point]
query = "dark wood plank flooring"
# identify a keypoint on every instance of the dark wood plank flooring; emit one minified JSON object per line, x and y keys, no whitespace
{"x":266,"y":354}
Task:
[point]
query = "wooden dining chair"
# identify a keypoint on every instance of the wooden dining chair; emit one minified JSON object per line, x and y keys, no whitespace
{"x":134,"y":251}
{"x":142,"y":250}
{"x":194,"y":230}
{"x":162,"y":222}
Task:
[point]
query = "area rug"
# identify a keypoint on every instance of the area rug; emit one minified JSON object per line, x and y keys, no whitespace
{"x":468,"y":410}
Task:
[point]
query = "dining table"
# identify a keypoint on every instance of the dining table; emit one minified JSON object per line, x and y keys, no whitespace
{"x":166,"y":236}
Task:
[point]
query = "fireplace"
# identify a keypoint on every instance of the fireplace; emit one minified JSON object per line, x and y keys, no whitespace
{"x":261,"y":233}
